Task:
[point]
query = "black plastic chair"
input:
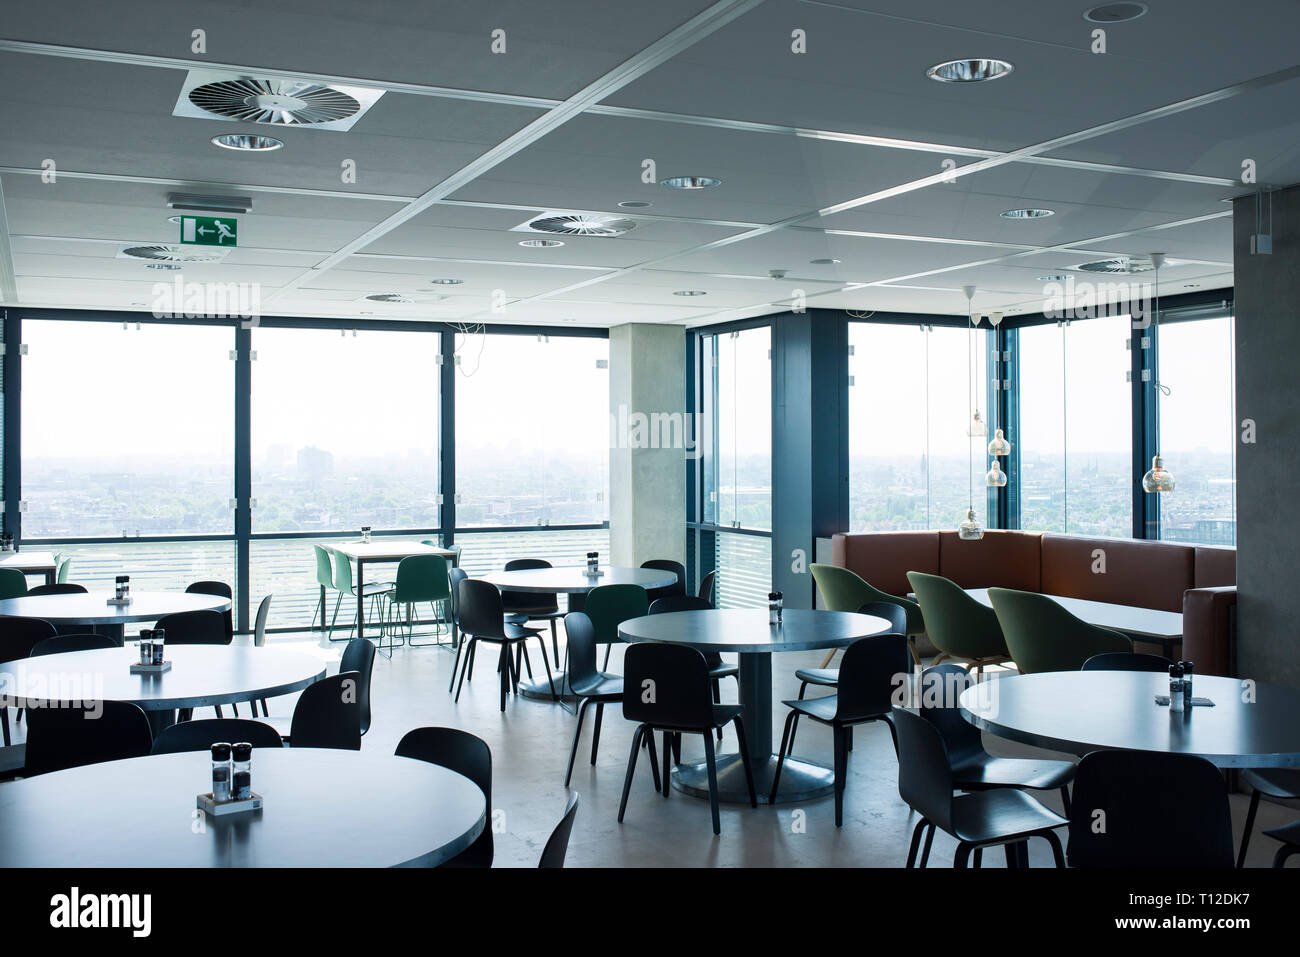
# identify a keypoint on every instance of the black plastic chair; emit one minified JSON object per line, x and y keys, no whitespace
{"x":896,"y":615}
{"x":869,"y":677}
{"x":973,"y":768}
{"x":533,"y":606}
{"x":220,"y":590}
{"x":1161,"y":810}
{"x":1289,"y":835}
{"x":18,"y":636}
{"x":201,"y":735}
{"x":586,"y":682}
{"x":328,"y":714}
{"x":61,"y":644}
{"x":1281,"y":784}
{"x":718,"y":667}
{"x":359,"y":656}
{"x":557,"y":845}
{"x":482,"y":617}
{"x":666,"y":565}
{"x":1005,"y":816}
{"x":57,"y":588}
{"x":681,"y":705}
{"x":465,"y":754}
{"x":195,"y":628}
{"x":454,"y":577}
{"x":706,"y":587}
{"x":1127,"y":661}
{"x":60,"y":737}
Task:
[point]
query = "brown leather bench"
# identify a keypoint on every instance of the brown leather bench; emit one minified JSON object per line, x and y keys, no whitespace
{"x":1198,"y":581}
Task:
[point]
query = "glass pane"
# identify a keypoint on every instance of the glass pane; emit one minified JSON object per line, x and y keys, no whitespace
{"x":127,"y":431}
{"x":532,"y":431}
{"x":1041,"y":438}
{"x":744,"y":433}
{"x":286,"y":569}
{"x":345,"y":430}
{"x":1098,"y":428}
{"x":1198,"y":431}
{"x":957,"y":387}
{"x":744,"y":565}
{"x":483,"y":552}
{"x":153,"y":566}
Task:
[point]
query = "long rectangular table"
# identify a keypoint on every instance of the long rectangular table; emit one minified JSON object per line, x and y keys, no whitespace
{"x":379,"y":551}
{"x":32,"y":563}
{"x":1164,"y":628}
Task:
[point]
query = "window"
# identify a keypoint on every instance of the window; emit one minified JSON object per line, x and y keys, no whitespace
{"x":1198,"y":431}
{"x":738,"y":468}
{"x":744,"y":566}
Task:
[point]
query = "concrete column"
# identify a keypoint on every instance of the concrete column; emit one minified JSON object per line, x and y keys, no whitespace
{"x":1268,"y":349}
{"x":648,"y":432}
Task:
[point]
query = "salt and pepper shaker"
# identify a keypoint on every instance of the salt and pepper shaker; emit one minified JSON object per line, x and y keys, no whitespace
{"x":158,"y":639}
{"x":146,"y":646}
{"x":1176,"y":698}
{"x":593,"y":562}
{"x":242,"y":756}
{"x":775,"y":604}
{"x":221,"y":771}
{"x":365,"y":534}
{"x":1187,"y":667}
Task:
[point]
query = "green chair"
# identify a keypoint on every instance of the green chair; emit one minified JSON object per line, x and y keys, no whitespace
{"x":454,"y":549}
{"x":843,"y":590}
{"x":420,"y":578}
{"x":13,"y":583}
{"x":1043,"y":636}
{"x":959,"y":626}
{"x":61,"y":564}
{"x":343,"y":583}
{"x":325,"y":581}
{"x":608,"y":606}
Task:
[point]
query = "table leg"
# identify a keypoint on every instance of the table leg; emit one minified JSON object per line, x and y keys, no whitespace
{"x":361,"y":601}
{"x":539,"y":689}
{"x":160,"y":721}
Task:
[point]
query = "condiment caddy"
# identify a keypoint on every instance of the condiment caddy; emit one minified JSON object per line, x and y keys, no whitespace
{"x":153,"y":646}
{"x":1180,"y":700}
{"x":593,"y":565}
{"x":232,"y":781}
{"x":121,"y":591}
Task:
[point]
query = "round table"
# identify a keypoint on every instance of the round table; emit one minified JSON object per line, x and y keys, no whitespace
{"x":1252,"y":725}
{"x":573,"y":581}
{"x":323,"y":808}
{"x":93,"y":609}
{"x":746,"y":631}
{"x":201,"y":676}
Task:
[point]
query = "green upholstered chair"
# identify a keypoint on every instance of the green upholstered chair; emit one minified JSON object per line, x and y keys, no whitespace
{"x":608,"y":606}
{"x":13,"y":583}
{"x":62,"y":564}
{"x":1043,"y":636}
{"x":324,"y":579}
{"x":420,"y":578}
{"x":843,"y":590}
{"x":959,"y":626}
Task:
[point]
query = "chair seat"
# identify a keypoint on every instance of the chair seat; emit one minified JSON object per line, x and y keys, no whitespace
{"x":601,"y":686}
{"x":1287,"y":833}
{"x":819,"y":709}
{"x":723,"y":669}
{"x":513,"y":632}
{"x":375,"y":588}
{"x":988,"y":816}
{"x":1274,"y":782}
{"x":534,"y":611}
{"x":819,"y":676}
{"x":723,"y":714}
{"x":989,"y":772}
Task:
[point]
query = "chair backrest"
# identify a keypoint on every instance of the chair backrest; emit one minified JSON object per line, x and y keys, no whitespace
{"x":13,"y":583}
{"x":667,"y":686}
{"x":195,"y":628}
{"x":328,"y":714}
{"x":59,"y":738}
{"x":58,"y":588}
{"x":893,"y":613}
{"x":924,"y":772}
{"x":528,"y":599}
{"x":957,"y":624}
{"x":454,"y":578}
{"x":871,"y":674}
{"x":60,"y":644}
{"x":706,"y":587}
{"x":1043,"y":636}
{"x":61,"y":568}
{"x":941,"y":687}
{"x":1142,"y":809}
{"x":480,"y":609}
{"x":666,"y":565}
{"x":557,"y":845}
{"x":672,"y":603}
{"x":201,"y":735}
{"x":342,"y":572}
{"x":18,"y":636}
{"x":359,"y":656}
{"x":324,"y":569}
{"x":844,"y":590}
{"x":421,"y":578}
{"x":1127,"y":661}
{"x":608,"y":606}
{"x":220,"y":590}
{"x":581,"y":639}
{"x":259,"y":623}
{"x":466,"y":754}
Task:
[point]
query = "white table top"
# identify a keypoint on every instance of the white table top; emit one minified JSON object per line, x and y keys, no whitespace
{"x":93,"y":608}
{"x":28,"y":561}
{"x":1126,"y":618}
{"x":388,"y":550}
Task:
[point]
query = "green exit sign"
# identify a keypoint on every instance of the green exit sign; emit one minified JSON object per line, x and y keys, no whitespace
{"x":209,"y":231}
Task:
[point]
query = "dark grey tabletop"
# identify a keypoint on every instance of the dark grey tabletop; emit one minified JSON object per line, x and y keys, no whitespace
{"x":1252,"y":725}
{"x":573,"y":579}
{"x":93,"y":608}
{"x":323,"y":808}
{"x":747,"y":629}
{"x":201,"y":675}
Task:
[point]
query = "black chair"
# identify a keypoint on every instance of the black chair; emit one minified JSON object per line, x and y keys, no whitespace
{"x":718,"y":668}
{"x":973,"y":768}
{"x":201,"y":735}
{"x":895,"y":614}
{"x":586,"y":682}
{"x":483,"y":618}
{"x":465,"y":754}
{"x":706,"y":587}
{"x":59,"y":737}
{"x":533,"y":606}
{"x":195,"y":628}
{"x":666,"y":565}
{"x":58,"y":588}
{"x":681,"y":704}
{"x":328,"y":714}
{"x":1143,"y":809}
{"x":220,"y":590}
{"x":1127,"y":661}
{"x":983,"y":819}
{"x":1289,"y":835}
{"x":359,"y":657}
{"x":18,"y":636}
{"x":869,"y":678}
{"x":454,"y":577}
{"x":557,"y":845}
{"x":1281,"y":784}
{"x":60,"y":644}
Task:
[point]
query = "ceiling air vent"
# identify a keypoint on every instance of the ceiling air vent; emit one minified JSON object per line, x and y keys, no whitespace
{"x":403,"y":298}
{"x":1123,"y":266}
{"x":271,"y":101}
{"x":578,"y":224}
{"x":159,"y":253}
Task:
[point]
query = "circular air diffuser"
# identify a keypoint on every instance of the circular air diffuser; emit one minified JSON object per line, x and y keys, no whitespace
{"x":278,"y":102}
{"x":170,"y":254}
{"x":1123,"y":266}
{"x":579,"y":224}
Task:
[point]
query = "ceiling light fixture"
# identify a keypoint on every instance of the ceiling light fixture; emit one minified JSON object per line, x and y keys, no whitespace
{"x":635,"y":204}
{"x":824,"y":262}
{"x":446,"y":282}
{"x":1115,"y":12}
{"x":969,"y":529}
{"x":690,"y":292}
{"x":969,"y":71}
{"x":247,"y":142}
{"x":167,"y":266}
{"x":690,"y":182}
{"x":1027,"y":213}
{"x":540,"y":243}
{"x":1158,"y":478}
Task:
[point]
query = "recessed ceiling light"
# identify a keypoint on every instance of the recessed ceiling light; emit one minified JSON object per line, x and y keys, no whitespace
{"x":1027,"y":213}
{"x":1115,"y":12}
{"x":690,"y":182}
{"x":824,"y":262}
{"x":446,"y":282}
{"x":636,"y":204}
{"x":690,"y":292}
{"x":1053,"y":278}
{"x":540,"y":243}
{"x":968,"y":71}
{"x":247,"y":142}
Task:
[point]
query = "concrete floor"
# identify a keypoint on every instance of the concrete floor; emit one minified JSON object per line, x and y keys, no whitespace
{"x":530,"y":745}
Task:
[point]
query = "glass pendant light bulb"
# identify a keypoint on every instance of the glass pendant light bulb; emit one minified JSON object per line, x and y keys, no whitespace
{"x":999,"y":445}
{"x":969,"y":530}
{"x":977,"y":428}
{"x":995,"y":477}
{"x":1158,"y":478}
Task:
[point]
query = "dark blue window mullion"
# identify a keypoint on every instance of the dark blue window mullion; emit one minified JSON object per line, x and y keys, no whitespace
{"x":243,"y":474}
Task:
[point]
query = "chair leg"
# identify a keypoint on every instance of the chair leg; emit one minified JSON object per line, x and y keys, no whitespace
{"x":803,"y":686}
{"x":677,"y":747}
{"x":637,"y":735}
{"x":962,"y":855}
{"x":454,"y":665}
{"x":605,"y":666}
{"x":977,"y":858}
{"x":915,"y":844}
{"x":794,"y":729}
{"x":929,"y":840}
{"x":555,"y":641}
{"x":4,"y":724}
{"x":654,"y":760}
{"x":465,"y":668}
{"x":1058,"y":855}
{"x":1013,"y":859}
{"x":780,"y":756}
{"x":711,"y":763}
{"x":1283,"y":852}
{"x":744,"y":760}
{"x":1250,"y":826}
{"x":595,"y":734}
{"x":1065,"y":799}
{"x":550,"y":680}
{"x":577,"y":733}
{"x":717,"y":699}
{"x":668,"y":760}
{"x":841,"y":771}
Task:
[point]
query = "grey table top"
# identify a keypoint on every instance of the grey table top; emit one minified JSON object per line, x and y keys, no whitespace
{"x":388,"y":550}
{"x":573,"y":579}
{"x":1150,"y":622}
{"x":747,"y":629}
{"x":1082,"y":711}
{"x":93,"y":608}
{"x":201,"y":675}
{"x":323,"y":808}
